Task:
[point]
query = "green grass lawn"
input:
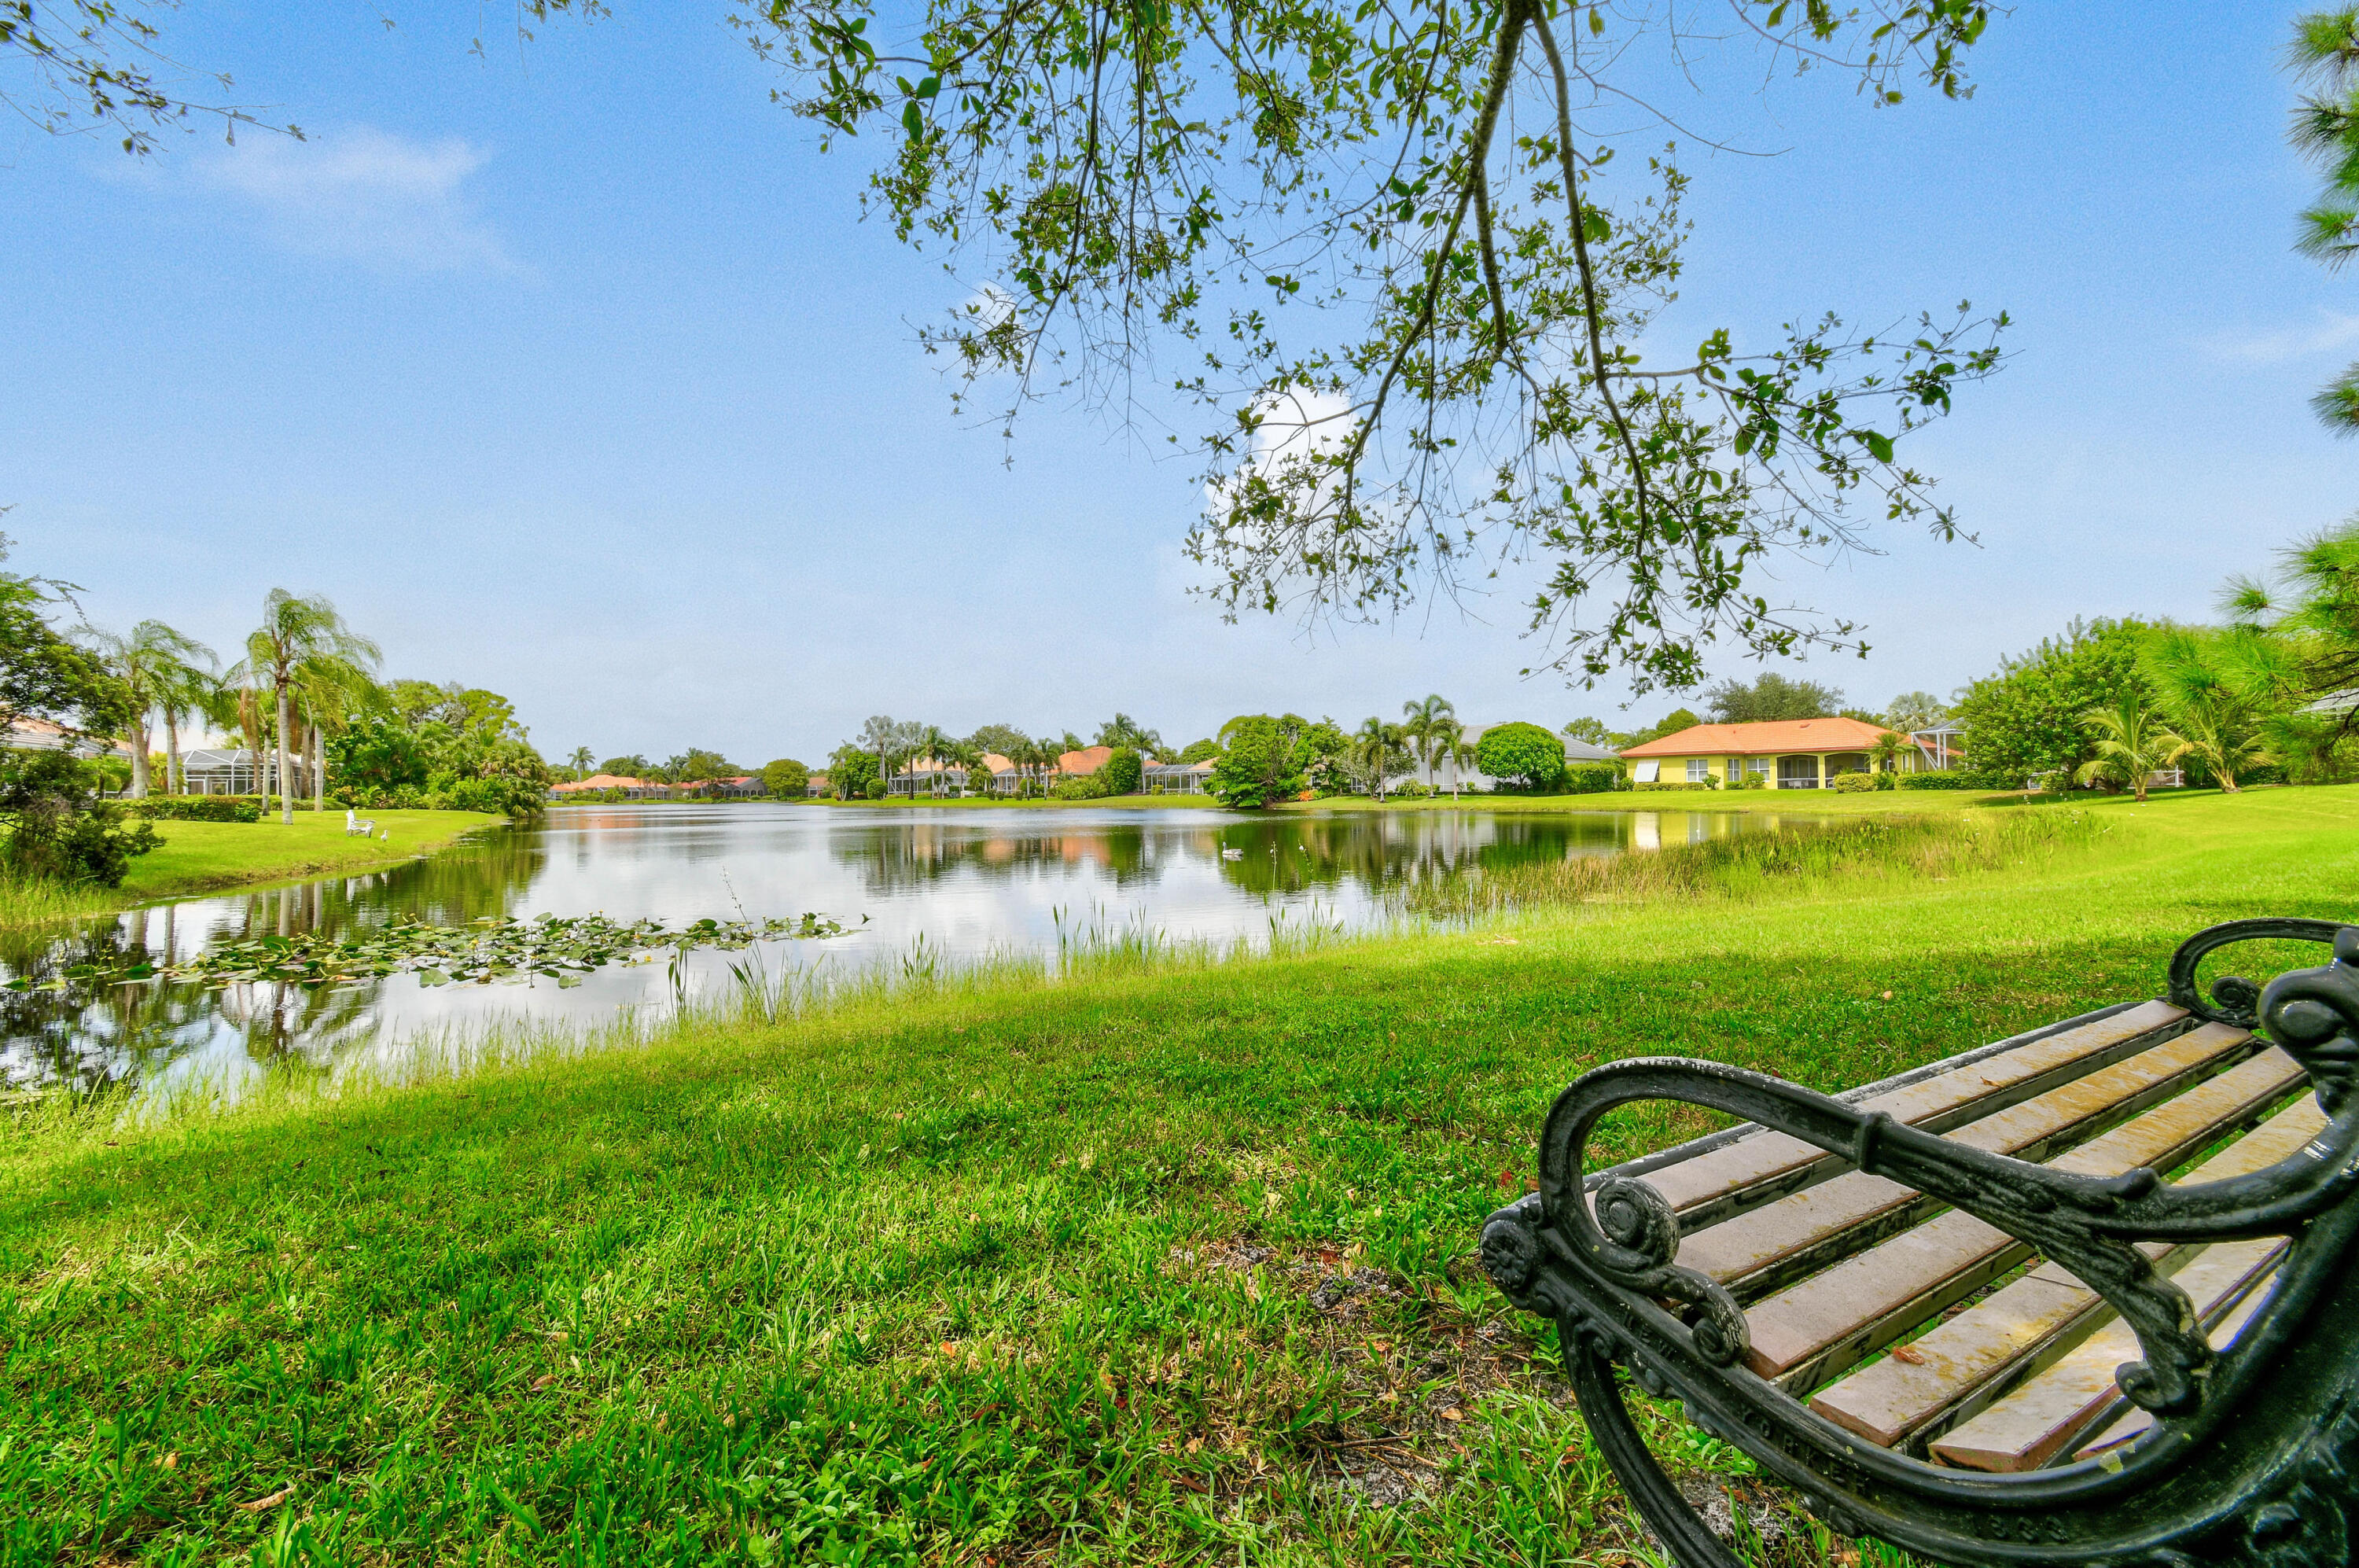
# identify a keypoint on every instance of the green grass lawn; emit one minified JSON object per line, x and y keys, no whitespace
{"x":1161,"y":1264}
{"x":196,"y":857}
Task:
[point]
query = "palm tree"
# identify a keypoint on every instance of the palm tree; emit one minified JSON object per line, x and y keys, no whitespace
{"x":330,"y":689}
{"x":1424,"y":728}
{"x":936,"y":747}
{"x":1375,"y":747}
{"x":1888,"y":749}
{"x":2203,"y":679}
{"x":1452,"y":745}
{"x":2222,"y":742}
{"x":148,"y":663}
{"x":582,"y":761}
{"x":190,"y":690}
{"x":878,"y":735}
{"x":295,"y":628}
{"x":2130,"y":743}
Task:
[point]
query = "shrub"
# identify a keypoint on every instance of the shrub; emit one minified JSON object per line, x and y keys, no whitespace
{"x":1751,"y":781}
{"x":58,"y":830}
{"x":1123,"y":774}
{"x":876,"y":791}
{"x":785,"y":778}
{"x":1532,"y":755}
{"x":1852,"y":783}
{"x":1593,"y":779}
{"x":197,"y":807}
{"x":1954,"y":779}
{"x":1259,"y":765}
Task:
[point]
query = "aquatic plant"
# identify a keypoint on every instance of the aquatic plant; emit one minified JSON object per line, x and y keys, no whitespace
{"x":563,"y":948}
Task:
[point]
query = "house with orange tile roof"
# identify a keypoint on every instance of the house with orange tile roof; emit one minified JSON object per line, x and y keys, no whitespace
{"x":596,"y":781}
{"x":1785,"y":754}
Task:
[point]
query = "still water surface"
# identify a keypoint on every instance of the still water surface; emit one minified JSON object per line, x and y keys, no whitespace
{"x":938,"y":886}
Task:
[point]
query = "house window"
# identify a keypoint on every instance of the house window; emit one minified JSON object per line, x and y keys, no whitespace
{"x":1646,"y":773}
{"x":1798,"y":773}
{"x":1757,"y":765}
{"x":1735,"y":768}
{"x":1699,"y":769}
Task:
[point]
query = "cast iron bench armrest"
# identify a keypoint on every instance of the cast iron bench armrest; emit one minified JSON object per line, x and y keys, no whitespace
{"x":2246,"y":1454}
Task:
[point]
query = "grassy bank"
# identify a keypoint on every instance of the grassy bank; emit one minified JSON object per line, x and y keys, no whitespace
{"x":1158,"y":1264}
{"x":198,"y":857}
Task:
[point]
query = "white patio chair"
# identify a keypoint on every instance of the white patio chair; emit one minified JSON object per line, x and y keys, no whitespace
{"x":358,"y":827}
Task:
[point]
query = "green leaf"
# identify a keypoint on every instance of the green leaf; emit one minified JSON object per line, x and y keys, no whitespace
{"x":1881,"y":445}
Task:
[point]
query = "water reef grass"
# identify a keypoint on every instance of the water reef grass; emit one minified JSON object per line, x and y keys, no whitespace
{"x":201,"y":857}
{"x":1152,"y":1261}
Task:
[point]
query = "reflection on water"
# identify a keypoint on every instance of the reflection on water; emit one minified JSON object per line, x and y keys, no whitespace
{"x":966,"y":883}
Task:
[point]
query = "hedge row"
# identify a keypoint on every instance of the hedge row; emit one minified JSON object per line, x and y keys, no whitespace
{"x":197,"y":807}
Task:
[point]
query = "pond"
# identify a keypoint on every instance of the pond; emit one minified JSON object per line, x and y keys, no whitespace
{"x":920,"y":887}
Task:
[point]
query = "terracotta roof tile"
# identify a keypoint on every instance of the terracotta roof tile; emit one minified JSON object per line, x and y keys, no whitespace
{"x":1756,"y":740}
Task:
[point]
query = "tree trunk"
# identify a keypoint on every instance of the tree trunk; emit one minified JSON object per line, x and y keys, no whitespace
{"x":175,"y":781}
{"x":249,"y":719}
{"x":319,"y":769}
{"x":286,"y":798}
{"x":140,"y":757}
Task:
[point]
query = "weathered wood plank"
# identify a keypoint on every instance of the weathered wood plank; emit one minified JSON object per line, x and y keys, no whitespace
{"x":1770,"y":1247}
{"x":1967,"y":1358}
{"x":1753,"y":1171}
{"x":2125,"y":1432}
{"x":2028,"y":1428}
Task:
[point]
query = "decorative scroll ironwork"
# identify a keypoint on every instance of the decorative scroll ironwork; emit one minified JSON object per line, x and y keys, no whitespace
{"x":2234,"y":1000}
{"x":2273,"y":1485}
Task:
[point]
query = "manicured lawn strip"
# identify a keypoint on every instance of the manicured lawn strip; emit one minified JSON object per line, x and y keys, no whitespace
{"x":199,"y":857}
{"x":1156,"y":1267}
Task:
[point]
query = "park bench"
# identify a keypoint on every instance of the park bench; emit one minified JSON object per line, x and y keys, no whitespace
{"x":2087,"y":1295}
{"x":357,"y":827}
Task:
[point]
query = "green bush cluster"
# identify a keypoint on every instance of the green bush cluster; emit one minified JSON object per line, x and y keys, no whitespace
{"x":197,"y":807}
{"x":1592,"y":777}
{"x":58,"y":830}
{"x":1852,"y":783}
{"x":1955,"y":779}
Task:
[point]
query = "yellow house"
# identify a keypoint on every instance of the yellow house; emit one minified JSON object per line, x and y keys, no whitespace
{"x":1788,"y":753}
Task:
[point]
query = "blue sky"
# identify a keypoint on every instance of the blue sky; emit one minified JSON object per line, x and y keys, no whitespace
{"x":569,"y":371}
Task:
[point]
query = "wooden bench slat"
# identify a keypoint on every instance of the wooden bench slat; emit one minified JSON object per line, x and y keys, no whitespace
{"x":1812,"y":1331}
{"x":2004,"y":1336}
{"x":1755,"y":1170}
{"x":1773,"y":1246}
{"x":2223,"y":1335}
{"x":2028,"y":1428}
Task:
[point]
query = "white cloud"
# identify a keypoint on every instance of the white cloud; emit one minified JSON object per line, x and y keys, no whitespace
{"x":2330,"y":331}
{"x":365,"y":195}
{"x":1295,"y":427}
